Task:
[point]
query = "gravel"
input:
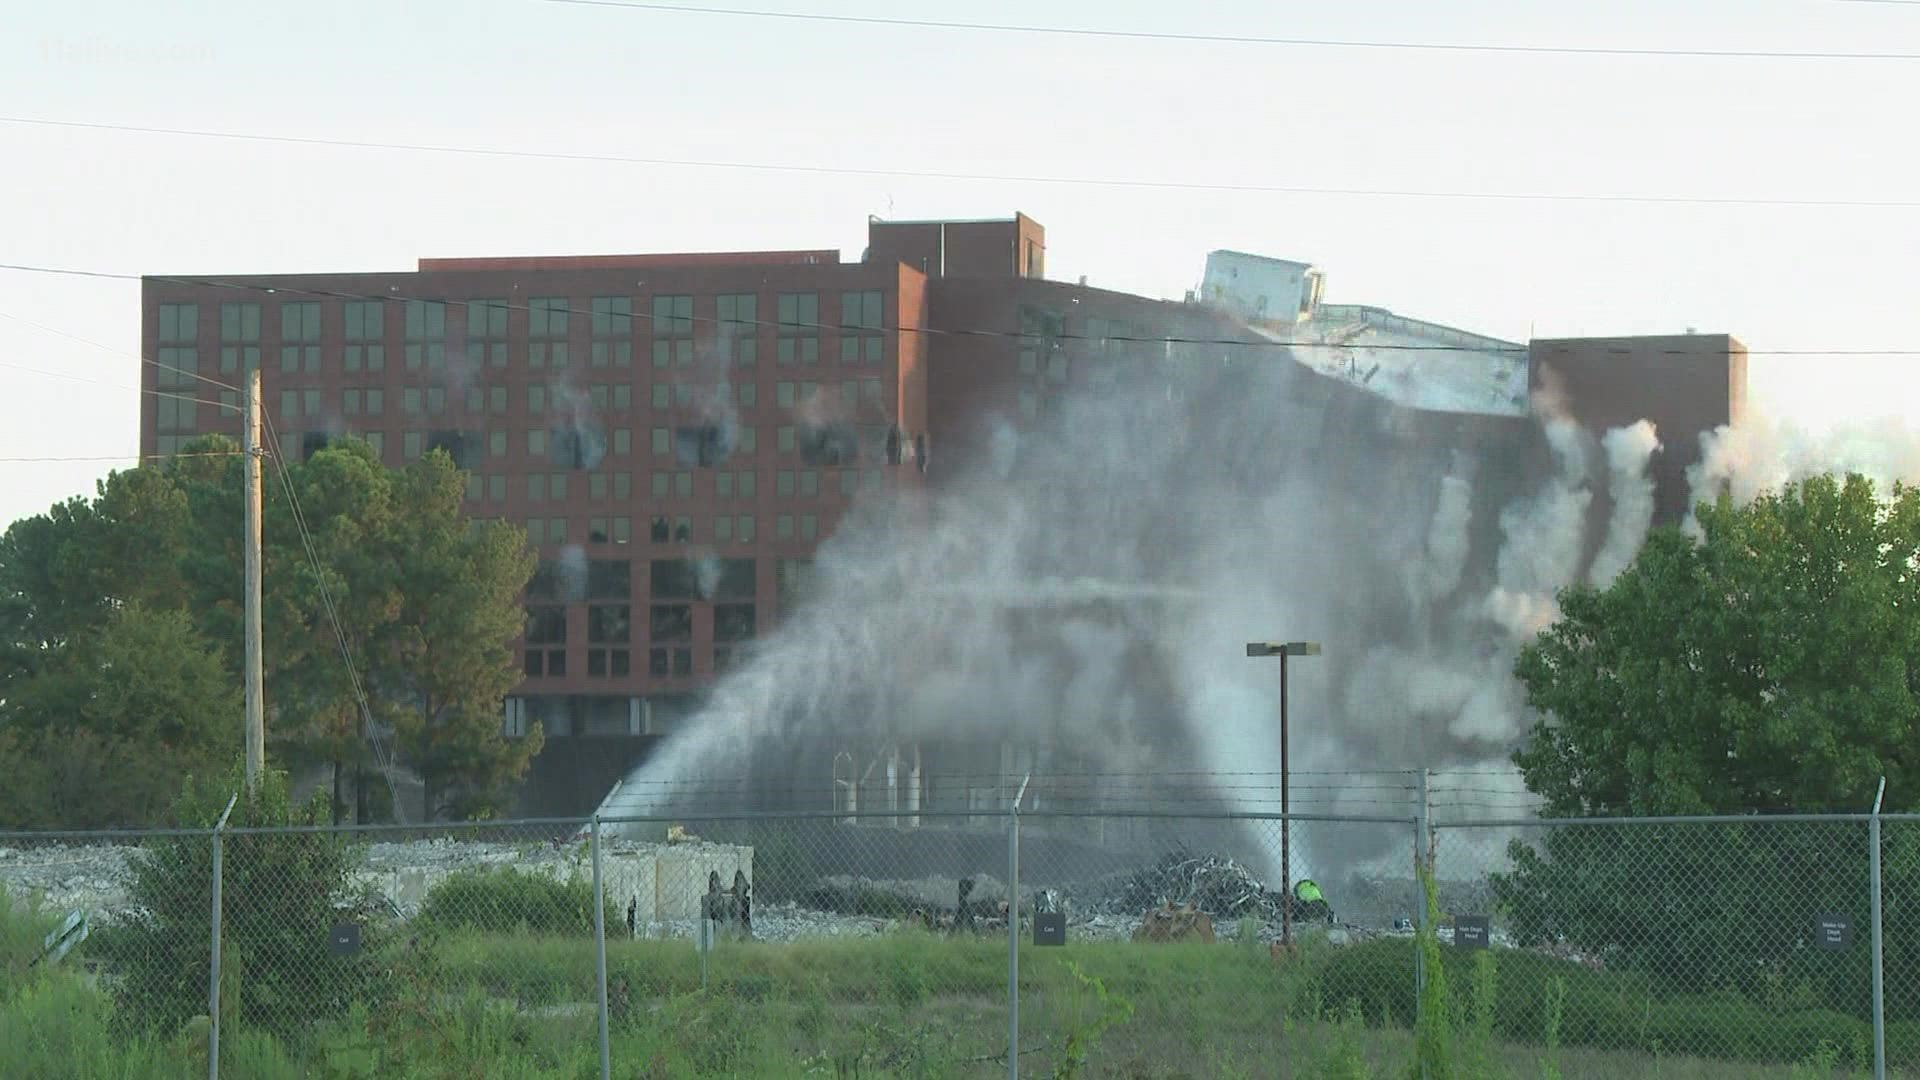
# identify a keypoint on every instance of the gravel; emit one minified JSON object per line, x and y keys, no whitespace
{"x":97,"y":878}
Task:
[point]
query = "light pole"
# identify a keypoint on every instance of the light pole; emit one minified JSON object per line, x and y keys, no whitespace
{"x":1284,"y":649}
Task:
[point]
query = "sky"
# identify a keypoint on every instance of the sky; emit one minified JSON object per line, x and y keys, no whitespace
{"x":563,"y":78}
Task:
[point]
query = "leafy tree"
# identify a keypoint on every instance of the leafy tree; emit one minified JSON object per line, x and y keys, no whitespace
{"x":103,"y":734}
{"x":377,"y":563}
{"x":1767,"y":666}
{"x":448,"y":653}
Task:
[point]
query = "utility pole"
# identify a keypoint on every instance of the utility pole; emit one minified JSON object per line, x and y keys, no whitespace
{"x":256,"y":731}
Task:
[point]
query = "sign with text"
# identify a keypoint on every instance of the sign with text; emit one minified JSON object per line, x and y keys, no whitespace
{"x":1472,"y":932}
{"x":344,"y":940}
{"x":1050,"y":928}
{"x":1834,"y":932}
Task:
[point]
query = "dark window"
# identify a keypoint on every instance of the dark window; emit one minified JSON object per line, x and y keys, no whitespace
{"x":733,"y":622}
{"x":609,"y":579}
{"x":736,"y":580}
{"x":662,"y":663}
{"x":312,"y":443}
{"x":791,"y":580}
{"x":832,"y":446}
{"x":705,"y":445}
{"x":576,"y":448}
{"x":609,"y":624}
{"x":660,"y":530}
{"x":545,"y":584}
{"x":467,"y":448}
{"x":546,"y":626}
{"x":674,"y":579}
{"x":546,"y":662}
{"x":670,"y":623}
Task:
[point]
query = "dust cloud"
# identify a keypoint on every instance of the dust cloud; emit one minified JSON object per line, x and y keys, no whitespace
{"x":1090,"y":582}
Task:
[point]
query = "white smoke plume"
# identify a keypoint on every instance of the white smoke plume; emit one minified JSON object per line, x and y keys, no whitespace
{"x":1629,"y":449}
{"x":1088,"y":589}
{"x":1763,"y":453}
{"x":1448,"y":539}
{"x":1544,"y":537}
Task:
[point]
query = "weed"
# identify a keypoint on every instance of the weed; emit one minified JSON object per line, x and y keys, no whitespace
{"x":1433,"y":1022}
{"x":1087,"y":1024}
{"x":1556,"y":1004}
{"x":1345,"y":1055}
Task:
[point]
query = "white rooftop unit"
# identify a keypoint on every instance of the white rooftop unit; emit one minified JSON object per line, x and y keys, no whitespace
{"x":1257,"y":289}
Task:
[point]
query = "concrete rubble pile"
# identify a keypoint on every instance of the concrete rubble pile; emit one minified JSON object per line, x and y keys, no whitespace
{"x":662,"y":882}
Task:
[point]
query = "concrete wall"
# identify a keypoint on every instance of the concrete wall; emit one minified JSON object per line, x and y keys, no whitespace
{"x":664,"y":881}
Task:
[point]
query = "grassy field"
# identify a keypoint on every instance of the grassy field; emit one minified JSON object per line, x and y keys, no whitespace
{"x":915,"y":1005}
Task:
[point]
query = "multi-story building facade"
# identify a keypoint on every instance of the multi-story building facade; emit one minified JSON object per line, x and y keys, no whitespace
{"x":679,"y":433}
{"x":676,"y":433}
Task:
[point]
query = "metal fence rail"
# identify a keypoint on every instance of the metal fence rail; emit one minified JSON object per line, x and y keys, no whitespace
{"x":963,"y":943}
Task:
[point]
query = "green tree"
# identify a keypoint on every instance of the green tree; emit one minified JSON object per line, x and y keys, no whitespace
{"x":107,"y":729}
{"x":1769,"y":666}
{"x":1766,"y":666}
{"x":448,"y":655}
{"x":364,"y":561}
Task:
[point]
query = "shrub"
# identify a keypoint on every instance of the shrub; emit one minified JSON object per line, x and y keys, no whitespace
{"x":282,"y":893}
{"x":507,"y":900}
{"x":23,"y":928}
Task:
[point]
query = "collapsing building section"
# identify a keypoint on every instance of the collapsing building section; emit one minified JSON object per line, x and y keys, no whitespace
{"x":1143,"y":488}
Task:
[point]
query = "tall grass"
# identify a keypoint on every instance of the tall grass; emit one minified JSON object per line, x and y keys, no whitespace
{"x":520,"y":1004}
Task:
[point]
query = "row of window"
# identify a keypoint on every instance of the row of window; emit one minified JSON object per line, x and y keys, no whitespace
{"x":612,"y":624}
{"x":670,"y":638}
{"x":585,"y":450}
{"x":547,"y":317}
{"x":720,"y":529}
{"x":663,"y":662}
{"x":541,"y":398}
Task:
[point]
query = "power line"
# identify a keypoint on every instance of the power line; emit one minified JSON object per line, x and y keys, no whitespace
{"x":279,"y":287}
{"x":57,"y":332}
{"x":117,"y":386}
{"x":128,"y":457}
{"x":1002,"y":178}
{"x":1242,"y":39}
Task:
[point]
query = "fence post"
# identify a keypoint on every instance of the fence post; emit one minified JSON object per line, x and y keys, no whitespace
{"x":213,"y":967}
{"x":1013,"y":938}
{"x":1879,"y":974}
{"x":1426,"y":848}
{"x":600,"y":945}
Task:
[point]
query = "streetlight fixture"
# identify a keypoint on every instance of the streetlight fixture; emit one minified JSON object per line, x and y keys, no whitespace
{"x":1284,"y":649}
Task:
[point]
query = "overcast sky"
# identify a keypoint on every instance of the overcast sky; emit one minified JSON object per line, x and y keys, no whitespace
{"x":533,"y":75}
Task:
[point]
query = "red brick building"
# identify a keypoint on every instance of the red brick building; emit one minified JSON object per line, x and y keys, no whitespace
{"x":678,"y":433}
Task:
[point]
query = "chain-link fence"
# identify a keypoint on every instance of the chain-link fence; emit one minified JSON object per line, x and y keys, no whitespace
{"x":892,"y":944}
{"x":1664,"y":947}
